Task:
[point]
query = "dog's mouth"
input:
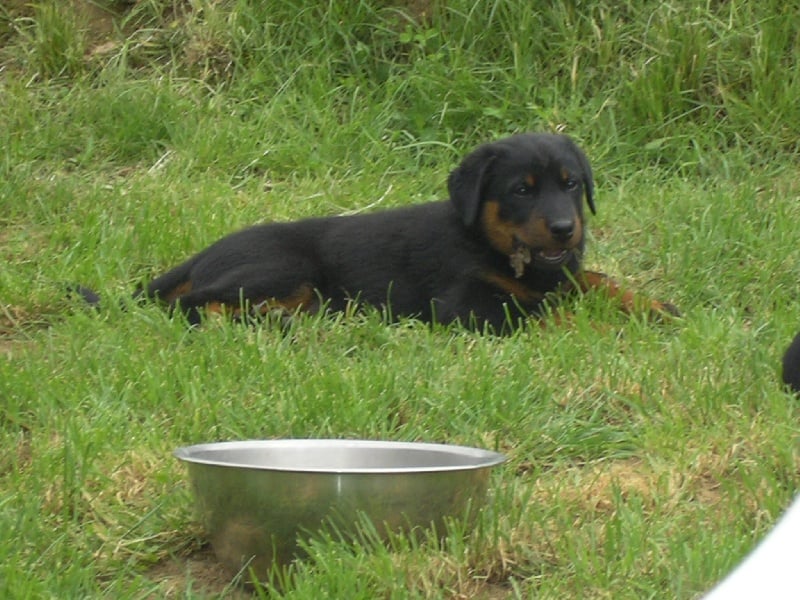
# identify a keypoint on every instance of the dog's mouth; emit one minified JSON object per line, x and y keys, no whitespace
{"x":546,"y":257}
{"x":552,"y":256}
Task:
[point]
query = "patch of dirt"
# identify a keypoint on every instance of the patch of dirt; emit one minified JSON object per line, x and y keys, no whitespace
{"x":20,"y":456}
{"x":490,"y":591}
{"x":199,"y":572}
{"x":595,"y":487}
{"x":11,"y":317}
{"x":6,"y":347}
{"x":629,"y":477}
{"x":17,"y":7}
{"x":15,"y":324}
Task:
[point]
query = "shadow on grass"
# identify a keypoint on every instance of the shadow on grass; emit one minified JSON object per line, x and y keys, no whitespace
{"x":199,"y":571}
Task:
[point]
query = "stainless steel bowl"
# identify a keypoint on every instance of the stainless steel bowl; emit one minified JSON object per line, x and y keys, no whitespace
{"x":256,"y":497}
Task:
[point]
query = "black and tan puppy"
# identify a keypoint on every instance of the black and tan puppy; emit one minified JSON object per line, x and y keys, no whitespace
{"x":511,"y":233}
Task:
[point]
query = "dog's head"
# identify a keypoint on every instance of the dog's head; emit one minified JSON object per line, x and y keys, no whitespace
{"x":524,"y":194}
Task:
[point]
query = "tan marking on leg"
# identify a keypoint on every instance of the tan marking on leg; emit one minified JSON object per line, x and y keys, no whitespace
{"x":215,"y":308}
{"x":303,"y":298}
{"x":513,"y":287}
{"x":629,"y":301}
{"x":178,"y":291}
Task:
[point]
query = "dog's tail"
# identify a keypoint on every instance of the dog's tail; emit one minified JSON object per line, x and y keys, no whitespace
{"x":164,"y":289}
{"x":88,"y":295}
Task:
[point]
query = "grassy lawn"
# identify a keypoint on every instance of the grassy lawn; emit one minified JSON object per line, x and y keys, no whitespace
{"x":645,"y":459}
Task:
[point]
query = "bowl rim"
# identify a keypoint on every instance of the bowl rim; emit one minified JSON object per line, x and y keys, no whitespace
{"x":482,"y":458}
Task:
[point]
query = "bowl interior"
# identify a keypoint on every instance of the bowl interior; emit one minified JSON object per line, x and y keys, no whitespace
{"x":340,"y":456}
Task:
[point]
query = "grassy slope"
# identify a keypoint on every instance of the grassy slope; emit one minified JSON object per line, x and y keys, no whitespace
{"x":644,"y":460}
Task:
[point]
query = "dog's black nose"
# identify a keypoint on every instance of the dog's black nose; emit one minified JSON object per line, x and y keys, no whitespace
{"x":562,"y":229}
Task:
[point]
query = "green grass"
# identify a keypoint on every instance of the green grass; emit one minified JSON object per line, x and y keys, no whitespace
{"x":645,"y":460}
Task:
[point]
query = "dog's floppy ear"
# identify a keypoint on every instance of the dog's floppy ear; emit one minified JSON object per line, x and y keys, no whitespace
{"x":588,"y":179}
{"x":467,"y":182}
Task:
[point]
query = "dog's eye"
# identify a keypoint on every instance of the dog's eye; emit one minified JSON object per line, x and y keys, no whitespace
{"x":523,"y":189}
{"x":571,"y":184}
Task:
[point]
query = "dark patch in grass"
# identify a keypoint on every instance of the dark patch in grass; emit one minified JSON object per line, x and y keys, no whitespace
{"x":198,"y":572}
